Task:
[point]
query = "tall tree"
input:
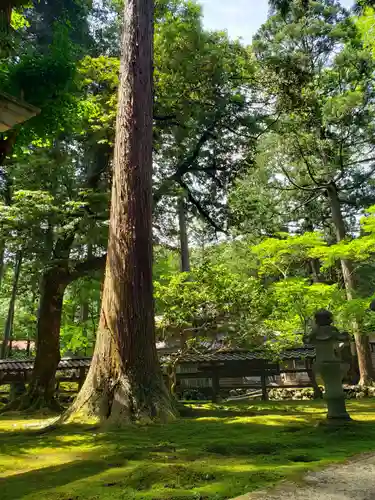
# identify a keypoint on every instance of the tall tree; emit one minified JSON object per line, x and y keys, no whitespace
{"x":324,"y":140}
{"x":48,"y":64}
{"x":10,"y":317}
{"x":183,"y":235}
{"x":125,"y":382}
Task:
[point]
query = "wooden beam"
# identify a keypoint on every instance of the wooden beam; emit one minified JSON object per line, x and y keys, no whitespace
{"x":215,"y":386}
{"x":263,"y":381}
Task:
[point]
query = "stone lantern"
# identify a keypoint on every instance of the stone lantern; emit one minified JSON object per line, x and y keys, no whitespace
{"x":328,"y":341}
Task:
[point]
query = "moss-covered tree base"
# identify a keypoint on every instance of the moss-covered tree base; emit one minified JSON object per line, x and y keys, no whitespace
{"x":33,"y":401}
{"x":119,"y":402}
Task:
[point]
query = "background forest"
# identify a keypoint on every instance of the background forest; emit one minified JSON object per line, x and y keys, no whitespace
{"x":263,"y":188}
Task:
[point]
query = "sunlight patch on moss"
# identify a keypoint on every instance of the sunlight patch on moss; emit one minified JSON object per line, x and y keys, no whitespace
{"x":218,"y":456}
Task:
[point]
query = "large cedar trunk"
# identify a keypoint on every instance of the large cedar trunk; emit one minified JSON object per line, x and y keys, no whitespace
{"x":361,"y":341}
{"x":125,"y":382}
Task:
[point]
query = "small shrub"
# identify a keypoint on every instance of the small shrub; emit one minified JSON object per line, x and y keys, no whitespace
{"x":284,"y":393}
{"x":307,"y":393}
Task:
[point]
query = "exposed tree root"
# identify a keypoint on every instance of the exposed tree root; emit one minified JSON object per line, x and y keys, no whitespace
{"x":33,"y":401}
{"x":119,"y":403}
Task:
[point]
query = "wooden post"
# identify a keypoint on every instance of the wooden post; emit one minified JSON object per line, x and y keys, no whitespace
{"x":263,"y":381}
{"x":82,"y":376}
{"x":215,"y":385}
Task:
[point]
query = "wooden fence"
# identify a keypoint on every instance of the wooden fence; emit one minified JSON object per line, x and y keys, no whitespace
{"x":222,"y":372}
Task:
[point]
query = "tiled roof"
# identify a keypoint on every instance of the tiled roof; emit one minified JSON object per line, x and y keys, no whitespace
{"x":307,"y":351}
{"x":17,"y":365}
{"x":243,"y":355}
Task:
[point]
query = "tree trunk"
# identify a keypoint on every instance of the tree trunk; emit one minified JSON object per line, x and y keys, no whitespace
{"x":5,"y":19}
{"x":361,"y":341}
{"x":10,"y":317}
{"x":5,"y":14}
{"x":315,"y":270}
{"x":85,"y":305}
{"x":313,"y":265}
{"x":42,"y":386}
{"x":2,"y":254}
{"x":184,"y":242}
{"x":125,"y":381}
{"x":41,"y":390}
{"x":184,"y":253}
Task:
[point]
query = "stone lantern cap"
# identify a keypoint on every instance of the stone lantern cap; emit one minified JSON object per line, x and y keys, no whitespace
{"x":324,"y":330}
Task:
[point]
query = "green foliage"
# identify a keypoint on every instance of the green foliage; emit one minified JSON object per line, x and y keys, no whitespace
{"x":18,"y":20}
{"x":315,"y":70}
{"x":80,"y":317}
{"x":286,"y":117}
{"x":75,"y":340}
{"x":295,"y":302}
{"x":278,"y":256}
{"x":98,"y":109}
{"x":366,"y":26}
{"x":166,"y":263}
{"x":209,"y":300}
{"x":360,"y":249}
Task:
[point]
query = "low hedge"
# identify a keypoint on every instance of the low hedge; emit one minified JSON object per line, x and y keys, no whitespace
{"x":307,"y":393}
{"x":283,"y":393}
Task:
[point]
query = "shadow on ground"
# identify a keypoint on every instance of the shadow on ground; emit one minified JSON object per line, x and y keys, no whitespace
{"x":217,"y":454}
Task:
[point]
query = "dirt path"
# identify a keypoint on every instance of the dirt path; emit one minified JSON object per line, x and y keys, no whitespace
{"x":354,"y":480}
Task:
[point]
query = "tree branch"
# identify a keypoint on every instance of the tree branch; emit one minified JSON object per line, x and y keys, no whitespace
{"x":308,"y":166}
{"x":203,"y":212}
{"x":85,"y":268}
{"x":361,"y":182}
{"x":302,"y":188}
{"x":185,"y":164}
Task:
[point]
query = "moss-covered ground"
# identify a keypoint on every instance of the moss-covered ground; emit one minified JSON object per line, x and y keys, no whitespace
{"x":220,"y":452}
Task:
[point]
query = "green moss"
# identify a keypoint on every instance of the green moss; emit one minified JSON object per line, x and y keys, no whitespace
{"x":219,"y":452}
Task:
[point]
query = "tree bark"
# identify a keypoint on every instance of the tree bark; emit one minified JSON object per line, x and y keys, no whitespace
{"x":5,"y":15}
{"x":315,"y":270}
{"x":10,"y":317}
{"x":125,"y":382}
{"x":85,"y":304}
{"x":5,"y":20}
{"x":54,"y":281}
{"x":184,"y":241}
{"x":184,"y":253}
{"x":41,"y":390}
{"x":2,"y":254}
{"x":361,"y":340}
